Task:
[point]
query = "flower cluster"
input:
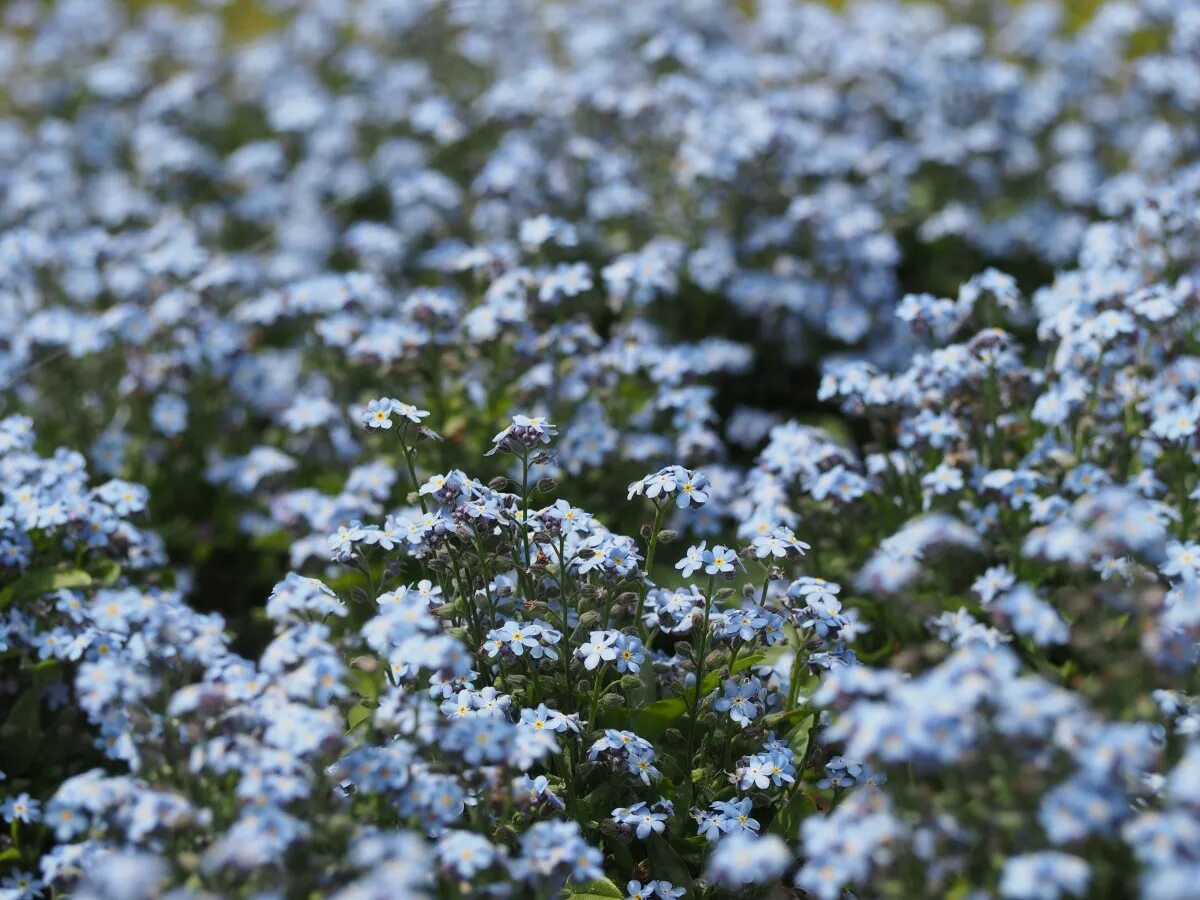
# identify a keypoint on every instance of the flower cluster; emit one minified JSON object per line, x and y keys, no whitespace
{"x":841,"y":539}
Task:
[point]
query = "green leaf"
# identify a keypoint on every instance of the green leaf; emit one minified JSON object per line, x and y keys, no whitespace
{"x":643,"y":696}
{"x":832,"y":425}
{"x":21,"y":733}
{"x":599,"y":803}
{"x":366,"y":683}
{"x":668,"y":865}
{"x":746,"y":662}
{"x":651,"y":721}
{"x":787,"y":821}
{"x":45,"y":671}
{"x":37,"y":584}
{"x":11,"y":855}
{"x":797,"y":736}
{"x":595,"y":890}
{"x":793,"y":636}
{"x":357,"y":715}
{"x":105,"y":572}
{"x":619,"y":854}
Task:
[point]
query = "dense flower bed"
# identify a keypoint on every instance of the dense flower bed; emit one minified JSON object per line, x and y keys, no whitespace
{"x":840,"y":537}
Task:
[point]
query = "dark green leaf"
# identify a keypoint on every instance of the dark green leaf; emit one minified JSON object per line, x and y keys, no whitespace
{"x":797,"y":736}
{"x":651,"y":721}
{"x":37,"y":584}
{"x":668,"y":865}
{"x":45,"y":671}
{"x":595,"y":890}
{"x":643,"y":696}
{"x":787,"y":821}
{"x":21,"y":733}
{"x":746,"y":662}
{"x":600,"y":803}
{"x":105,"y":572}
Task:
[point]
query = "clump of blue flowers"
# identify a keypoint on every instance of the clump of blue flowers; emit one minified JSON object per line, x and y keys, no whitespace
{"x":839,"y":534}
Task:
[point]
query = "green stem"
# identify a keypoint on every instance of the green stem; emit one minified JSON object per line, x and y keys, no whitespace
{"x":794,"y":682}
{"x":991,"y":396}
{"x":644,"y":587}
{"x":699,"y":661}
{"x":565,"y":582}
{"x":412,"y":467}
{"x":1186,"y":504}
{"x":525,"y":561}
{"x":595,"y":696}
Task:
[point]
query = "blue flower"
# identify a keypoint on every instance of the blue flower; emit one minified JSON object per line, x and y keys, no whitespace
{"x":600,"y":648}
{"x":693,"y":559}
{"x":630,"y":654}
{"x":169,"y":414}
{"x":21,"y":808}
{"x":719,"y":560}
{"x":465,"y":853}
{"x":740,"y":700}
{"x":1047,"y":875}
{"x":516,"y":636}
{"x":640,"y":762}
{"x":378,"y":414}
{"x":744,"y":858}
